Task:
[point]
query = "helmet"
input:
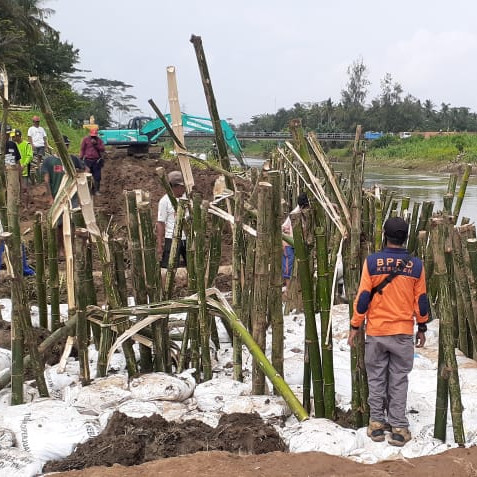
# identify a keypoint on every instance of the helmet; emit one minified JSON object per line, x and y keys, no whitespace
{"x":93,"y":132}
{"x":36,"y":119}
{"x":16,"y":132}
{"x":66,"y":140}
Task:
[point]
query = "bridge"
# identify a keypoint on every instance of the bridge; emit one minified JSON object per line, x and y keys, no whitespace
{"x":275,"y":135}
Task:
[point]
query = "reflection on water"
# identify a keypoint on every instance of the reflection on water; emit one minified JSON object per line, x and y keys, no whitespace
{"x":407,"y":183}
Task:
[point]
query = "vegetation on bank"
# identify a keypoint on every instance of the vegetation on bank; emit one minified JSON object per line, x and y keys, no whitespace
{"x":23,"y":120}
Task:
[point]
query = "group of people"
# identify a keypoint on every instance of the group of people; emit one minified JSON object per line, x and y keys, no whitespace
{"x":26,"y":152}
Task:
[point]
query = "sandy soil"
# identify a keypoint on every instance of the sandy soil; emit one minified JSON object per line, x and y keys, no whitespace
{"x":455,"y":463}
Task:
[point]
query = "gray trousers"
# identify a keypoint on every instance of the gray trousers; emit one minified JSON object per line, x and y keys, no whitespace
{"x":388,"y":361}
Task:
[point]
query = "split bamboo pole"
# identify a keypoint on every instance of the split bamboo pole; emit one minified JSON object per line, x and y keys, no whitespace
{"x":412,"y":240}
{"x":446,"y":334}
{"x":378,"y":223}
{"x":312,"y":348}
{"x":261,"y":281}
{"x":40,"y":271}
{"x":405,"y":201}
{"x":3,"y":140}
{"x":249,"y":284}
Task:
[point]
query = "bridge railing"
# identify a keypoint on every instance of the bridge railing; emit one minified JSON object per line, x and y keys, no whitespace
{"x":334,"y":136}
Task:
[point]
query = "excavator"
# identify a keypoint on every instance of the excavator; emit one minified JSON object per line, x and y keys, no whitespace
{"x":142,"y":131}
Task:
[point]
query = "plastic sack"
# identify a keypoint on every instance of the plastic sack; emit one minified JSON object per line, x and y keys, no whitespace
{"x":321,"y":435}
{"x":162,"y":387}
{"x":5,"y":359}
{"x":7,"y":438}
{"x":101,"y":394}
{"x":212,"y":395}
{"x":17,"y":463}
{"x":265,"y":406}
{"x":48,"y":429}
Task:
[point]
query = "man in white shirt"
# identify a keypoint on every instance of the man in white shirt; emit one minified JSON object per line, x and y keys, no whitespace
{"x":37,"y":138}
{"x":166,"y":219}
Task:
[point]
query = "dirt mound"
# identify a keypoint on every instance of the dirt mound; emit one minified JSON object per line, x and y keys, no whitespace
{"x":128,"y":441}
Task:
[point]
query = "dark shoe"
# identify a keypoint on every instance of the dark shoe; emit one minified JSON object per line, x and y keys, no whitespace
{"x":387,"y":427}
{"x":399,"y":436}
{"x":375,"y":431}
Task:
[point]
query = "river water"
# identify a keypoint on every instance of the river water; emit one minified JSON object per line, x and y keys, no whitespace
{"x":407,"y":183}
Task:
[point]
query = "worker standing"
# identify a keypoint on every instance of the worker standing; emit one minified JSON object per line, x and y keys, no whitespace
{"x":38,"y":139}
{"x":26,"y":153}
{"x":12,"y":154}
{"x":391,"y":296}
{"x":166,"y":220}
{"x":91,"y":152}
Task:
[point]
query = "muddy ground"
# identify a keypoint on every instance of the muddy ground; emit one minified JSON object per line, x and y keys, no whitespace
{"x":128,"y":441}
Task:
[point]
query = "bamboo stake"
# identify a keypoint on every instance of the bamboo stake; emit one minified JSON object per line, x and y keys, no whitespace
{"x":22,"y":331}
{"x":275,"y":308}
{"x":213,"y":111}
{"x":261,"y":281}
{"x":40,"y":271}
{"x":53,"y":275}
{"x":378,"y":224}
{"x":152,"y":280}
{"x":324,"y":298}
{"x":248,"y":286}
{"x":438,"y":231}
{"x":412,"y":240}
{"x":82,"y":336}
{"x":237,"y":254}
{"x":312,"y":349}
{"x":137,"y":269}
{"x":199,"y":224}
{"x":461,"y":193}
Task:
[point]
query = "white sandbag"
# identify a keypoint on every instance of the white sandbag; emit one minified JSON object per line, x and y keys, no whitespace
{"x":176,"y":411}
{"x":210,"y":418}
{"x":29,"y":394}
{"x":265,"y":406}
{"x":48,"y":429}
{"x":162,"y":387}
{"x":320,"y":435}
{"x":5,"y":359}
{"x":17,"y":463}
{"x":101,"y":394}
{"x":7,"y":438}
{"x":57,"y":382}
{"x":212,"y":395}
{"x":137,"y":409}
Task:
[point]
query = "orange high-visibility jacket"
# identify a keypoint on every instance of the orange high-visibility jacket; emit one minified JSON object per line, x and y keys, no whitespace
{"x":402,"y":301}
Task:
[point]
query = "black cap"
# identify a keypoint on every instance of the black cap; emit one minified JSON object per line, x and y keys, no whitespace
{"x":396,"y":228}
{"x":66,"y":140}
{"x":8,"y":128}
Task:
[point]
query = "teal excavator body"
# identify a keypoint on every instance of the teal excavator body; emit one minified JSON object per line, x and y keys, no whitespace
{"x":142,"y":131}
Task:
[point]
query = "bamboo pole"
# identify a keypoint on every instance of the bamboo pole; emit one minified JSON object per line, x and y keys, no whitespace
{"x":3,"y":140}
{"x":152,"y":280}
{"x":82,"y":335}
{"x":249,"y":284}
{"x":461,"y":193}
{"x":438,"y":233}
{"x":199,"y":223}
{"x":412,"y":240}
{"x":213,"y":111}
{"x":325,"y":298}
{"x":275,"y":308}
{"x":22,"y":331}
{"x":312,"y":349}
{"x":261,"y":281}
{"x":40,"y":271}
{"x":237,"y":265}
{"x":53,"y":275}
{"x":137,"y":269}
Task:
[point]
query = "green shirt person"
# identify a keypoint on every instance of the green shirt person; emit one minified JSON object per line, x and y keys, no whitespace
{"x":26,"y":151}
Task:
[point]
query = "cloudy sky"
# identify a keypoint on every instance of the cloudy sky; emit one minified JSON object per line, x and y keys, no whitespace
{"x":267,"y":54}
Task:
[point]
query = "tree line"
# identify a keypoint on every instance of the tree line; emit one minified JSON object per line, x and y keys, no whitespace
{"x":390,"y":112}
{"x":30,"y":46}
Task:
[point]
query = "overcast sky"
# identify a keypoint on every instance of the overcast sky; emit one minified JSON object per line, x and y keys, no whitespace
{"x":268,"y":54}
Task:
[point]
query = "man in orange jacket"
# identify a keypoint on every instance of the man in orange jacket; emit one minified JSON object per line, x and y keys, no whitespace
{"x":390,"y":315}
